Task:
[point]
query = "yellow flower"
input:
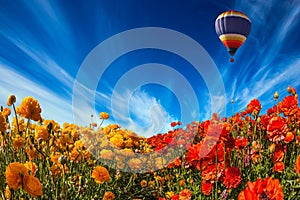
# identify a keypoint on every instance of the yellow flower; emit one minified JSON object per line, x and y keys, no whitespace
{"x":11,"y":100}
{"x":169,"y":194}
{"x":135,"y":164}
{"x":6,"y":112}
{"x":21,"y":123}
{"x":33,"y":186}
{"x":104,"y":115}
{"x":109,"y":196}
{"x":31,"y":166}
{"x":55,"y":125}
{"x":30,"y":109}
{"x":15,"y":172}
{"x":100,"y":174}
{"x":78,"y":145}
{"x":143,"y":183}
{"x":2,"y":122}
{"x":41,"y":132}
{"x":118,"y":141}
{"x":129,"y":143}
{"x":18,"y":141}
{"x":107,"y":154}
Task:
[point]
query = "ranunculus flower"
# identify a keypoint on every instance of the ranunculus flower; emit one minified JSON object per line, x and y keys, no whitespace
{"x":100,"y":174}
{"x":279,"y":167}
{"x":206,"y":187}
{"x":277,"y":129}
{"x":288,"y":106}
{"x":232,"y":177}
{"x":15,"y":173}
{"x":185,"y":194}
{"x":33,"y":186}
{"x":108,"y":196}
{"x":254,"y":107}
{"x":30,"y":109}
{"x":262,"y":189}
{"x":104,"y":115}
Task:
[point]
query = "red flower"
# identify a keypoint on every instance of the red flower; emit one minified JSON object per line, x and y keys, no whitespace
{"x":265,"y":119}
{"x":232,"y":177}
{"x":262,"y":189}
{"x":173,"y":124}
{"x":241,"y":142}
{"x":206,"y":187}
{"x":288,"y":106}
{"x":277,"y":129}
{"x":175,"y":197}
{"x":193,"y":153}
{"x":254,"y":107}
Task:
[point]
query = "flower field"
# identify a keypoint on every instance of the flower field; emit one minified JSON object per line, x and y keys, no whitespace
{"x":248,"y":156}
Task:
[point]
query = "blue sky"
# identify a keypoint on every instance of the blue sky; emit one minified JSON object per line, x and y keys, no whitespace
{"x":43,"y":45}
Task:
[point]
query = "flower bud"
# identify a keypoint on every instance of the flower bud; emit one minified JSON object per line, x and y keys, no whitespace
{"x":11,"y":100}
{"x":276,"y":96}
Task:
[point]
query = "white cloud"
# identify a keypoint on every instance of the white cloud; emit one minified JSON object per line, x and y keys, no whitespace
{"x":140,"y":112}
{"x":53,"y":106}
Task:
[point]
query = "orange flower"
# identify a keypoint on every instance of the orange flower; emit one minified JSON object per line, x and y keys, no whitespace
{"x":108,"y":196}
{"x":185,"y":194}
{"x":277,"y":129}
{"x":30,"y":109}
{"x":104,"y":115}
{"x":100,"y":174}
{"x":15,"y":173}
{"x":6,"y":112}
{"x":279,"y":167}
{"x":41,"y":132}
{"x":18,"y":141}
{"x":33,"y":186}
{"x":262,"y":189}
{"x":232,"y":177}
{"x":298,"y":165}
{"x":11,"y":100}
{"x":289,"y":137}
{"x":2,"y":122}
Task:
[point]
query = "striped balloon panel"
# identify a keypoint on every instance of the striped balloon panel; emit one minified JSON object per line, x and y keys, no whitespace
{"x":233,"y":22}
{"x":232,"y":40}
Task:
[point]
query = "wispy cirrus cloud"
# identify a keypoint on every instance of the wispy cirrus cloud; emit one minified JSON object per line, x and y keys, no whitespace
{"x":51,"y":103}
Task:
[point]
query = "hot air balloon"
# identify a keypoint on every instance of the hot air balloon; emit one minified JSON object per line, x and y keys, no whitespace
{"x":233,"y":28}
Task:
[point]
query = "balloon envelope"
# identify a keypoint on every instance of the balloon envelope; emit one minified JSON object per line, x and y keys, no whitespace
{"x":233,"y":28}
